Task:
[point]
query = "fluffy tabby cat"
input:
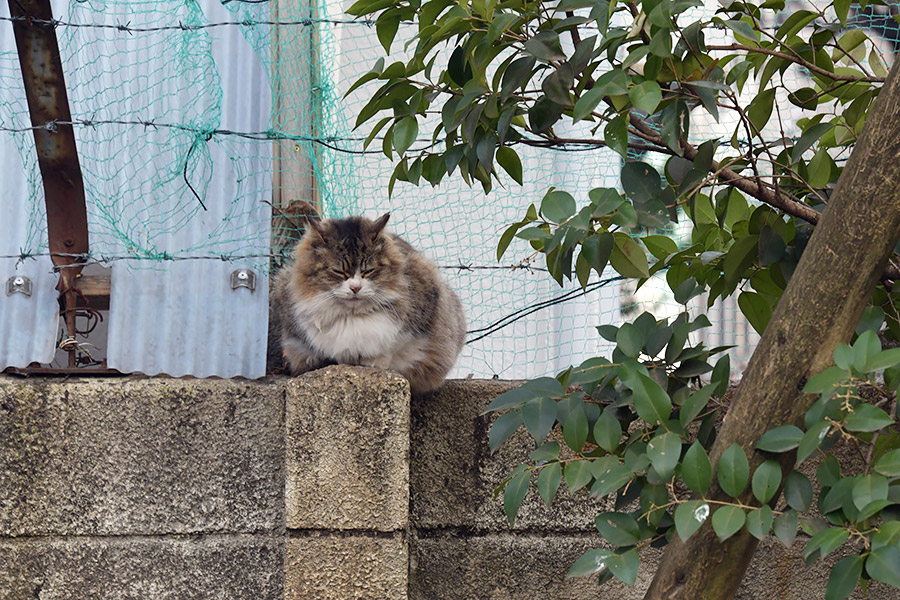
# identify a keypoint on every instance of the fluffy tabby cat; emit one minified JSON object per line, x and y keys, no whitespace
{"x":356,"y":294}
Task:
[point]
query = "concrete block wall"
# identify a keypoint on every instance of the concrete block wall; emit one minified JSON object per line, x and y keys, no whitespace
{"x":331,"y":486}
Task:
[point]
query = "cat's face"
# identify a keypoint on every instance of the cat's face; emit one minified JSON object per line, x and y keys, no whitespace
{"x":351,"y":262}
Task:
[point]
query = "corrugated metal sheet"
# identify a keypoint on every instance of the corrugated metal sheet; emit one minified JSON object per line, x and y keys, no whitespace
{"x":185,"y":319}
{"x":178,"y":318}
{"x":28,"y":325}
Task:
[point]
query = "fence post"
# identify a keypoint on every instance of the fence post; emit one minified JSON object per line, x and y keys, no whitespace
{"x":347,"y":485}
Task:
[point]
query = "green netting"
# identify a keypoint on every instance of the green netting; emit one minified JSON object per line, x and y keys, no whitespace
{"x":162,"y":95}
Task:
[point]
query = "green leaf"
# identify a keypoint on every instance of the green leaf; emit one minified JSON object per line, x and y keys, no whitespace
{"x":785,"y":527}
{"x":760,"y":109}
{"x":499,"y":24}
{"x":575,"y":429}
{"x":689,"y":516}
{"x":627,"y":257}
{"x":651,"y":402}
{"x":825,"y":380}
{"x":545,"y":46}
{"x":547,"y":452}
{"x":759,"y":522}
{"x":695,"y":404}
{"x":615,"y":134}
{"x":405,"y":132}
{"x":557,"y":85}
{"x":548,"y":482}
{"x":597,"y":248}
{"x":809,"y":137}
{"x":618,"y":529}
{"x":505,"y":425}
{"x":511,"y":163}
{"x":386,"y":29}
{"x":514,"y":495}
{"x":867,"y":418}
{"x":514,"y":398}
{"x":611,"y":480}
{"x":607,"y":431}
{"x":829,"y":472}
{"x":826,"y":541}
{"x":740,"y":256}
{"x":869,"y":488}
{"x":539,"y":416}
{"x":640,"y":181}
{"x":625,"y":566}
{"x":883,"y":564}
{"x":727,"y":520}
{"x":578,"y":474}
{"x":798,"y":491}
{"x":629,"y":340}
{"x":766,"y":480}
{"x":889,"y":464}
{"x":646,"y":96}
{"x":733,"y":471}
{"x":557,"y":206}
{"x":843,"y":578}
{"x":780,"y":439}
{"x":883,"y":360}
{"x":811,"y":440}
{"x":591,"y":562}
{"x":696,"y":470}
{"x":757,"y":310}
{"x":664,"y":451}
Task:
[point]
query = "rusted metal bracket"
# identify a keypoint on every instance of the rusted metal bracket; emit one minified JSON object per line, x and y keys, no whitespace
{"x":54,"y":138}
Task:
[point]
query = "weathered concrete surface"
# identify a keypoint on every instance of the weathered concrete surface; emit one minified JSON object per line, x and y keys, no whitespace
{"x":140,"y":456}
{"x":346,"y":567}
{"x":348,"y":450}
{"x":453,"y":474}
{"x":136,"y":568}
{"x":511,"y":567}
{"x":292,"y":488}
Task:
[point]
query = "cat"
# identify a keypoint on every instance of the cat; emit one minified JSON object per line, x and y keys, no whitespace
{"x":359,"y":295}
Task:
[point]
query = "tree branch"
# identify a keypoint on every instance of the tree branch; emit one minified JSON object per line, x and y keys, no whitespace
{"x":800,"y":61}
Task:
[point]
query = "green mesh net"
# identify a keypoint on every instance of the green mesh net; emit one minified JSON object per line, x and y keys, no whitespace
{"x":176,"y":167}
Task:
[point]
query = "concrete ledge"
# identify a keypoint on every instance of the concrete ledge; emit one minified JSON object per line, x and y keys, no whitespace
{"x":346,"y":567}
{"x":213,"y":568}
{"x":348,"y":450}
{"x":140,"y":456}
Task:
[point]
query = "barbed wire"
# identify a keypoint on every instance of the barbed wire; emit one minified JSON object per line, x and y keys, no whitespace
{"x":331,"y":141}
{"x":100,"y":259}
{"x":128,"y":28}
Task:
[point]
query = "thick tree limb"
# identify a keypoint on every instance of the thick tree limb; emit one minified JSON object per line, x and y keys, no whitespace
{"x":820,"y":309}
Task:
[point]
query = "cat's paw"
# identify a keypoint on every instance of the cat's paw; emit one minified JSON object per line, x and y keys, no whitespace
{"x":381,"y":362}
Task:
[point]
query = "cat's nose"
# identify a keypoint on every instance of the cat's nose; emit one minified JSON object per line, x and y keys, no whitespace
{"x":355,"y":287}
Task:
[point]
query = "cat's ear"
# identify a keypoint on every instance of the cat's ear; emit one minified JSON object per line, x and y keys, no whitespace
{"x":378,"y":225}
{"x":315,"y":225}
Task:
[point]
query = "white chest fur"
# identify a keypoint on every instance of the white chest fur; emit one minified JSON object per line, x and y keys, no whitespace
{"x":355,"y":338}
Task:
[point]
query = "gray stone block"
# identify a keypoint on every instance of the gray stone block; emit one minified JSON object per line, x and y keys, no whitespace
{"x":512,"y":567}
{"x":140,"y":456}
{"x":453,"y":473}
{"x":346,"y":567}
{"x":347,"y":460}
{"x":237,"y":567}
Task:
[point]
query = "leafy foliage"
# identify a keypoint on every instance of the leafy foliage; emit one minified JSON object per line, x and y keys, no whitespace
{"x":486,"y":77}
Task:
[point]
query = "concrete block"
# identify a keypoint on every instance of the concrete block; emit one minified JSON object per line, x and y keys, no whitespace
{"x":347,"y":459}
{"x":139,"y":568}
{"x":453,"y":474}
{"x":512,"y":567}
{"x":346,"y":567}
{"x":140,"y":456}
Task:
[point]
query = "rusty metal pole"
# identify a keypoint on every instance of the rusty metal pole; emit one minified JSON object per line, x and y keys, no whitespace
{"x":54,"y":138}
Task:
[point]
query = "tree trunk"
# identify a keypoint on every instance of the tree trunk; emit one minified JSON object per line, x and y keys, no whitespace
{"x":819,"y":310}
